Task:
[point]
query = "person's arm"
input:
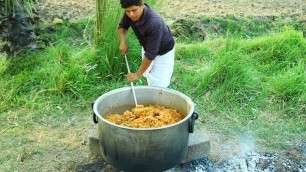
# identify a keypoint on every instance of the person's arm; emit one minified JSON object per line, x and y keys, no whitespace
{"x":154,"y":39}
{"x":123,"y":45}
{"x":143,"y":67}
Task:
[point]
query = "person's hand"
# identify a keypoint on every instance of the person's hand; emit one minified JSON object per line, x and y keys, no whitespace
{"x":132,"y":77}
{"x":123,"y":47}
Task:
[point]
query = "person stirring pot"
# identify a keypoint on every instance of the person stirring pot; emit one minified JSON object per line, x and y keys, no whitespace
{"x":155,"y":38}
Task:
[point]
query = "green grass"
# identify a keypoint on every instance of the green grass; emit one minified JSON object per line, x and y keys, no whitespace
{"x":239,"y":84}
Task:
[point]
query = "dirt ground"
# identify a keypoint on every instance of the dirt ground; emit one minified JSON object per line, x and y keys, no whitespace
{"x":196,"y":8}
{"x":174,"y":9}
{"x":65,"y":9}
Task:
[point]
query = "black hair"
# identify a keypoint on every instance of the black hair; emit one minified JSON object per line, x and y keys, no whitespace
{"x":128,"y":3}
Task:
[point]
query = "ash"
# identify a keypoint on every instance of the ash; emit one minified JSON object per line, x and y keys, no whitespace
{"x":249,"y":162}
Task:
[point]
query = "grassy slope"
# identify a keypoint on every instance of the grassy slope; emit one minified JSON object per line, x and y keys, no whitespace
{"x":255,"y":85}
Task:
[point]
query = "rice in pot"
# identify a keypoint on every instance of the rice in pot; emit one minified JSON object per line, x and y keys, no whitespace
{"x":152,"y":116}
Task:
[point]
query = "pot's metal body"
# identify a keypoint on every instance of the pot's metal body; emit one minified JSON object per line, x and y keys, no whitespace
{"x":133,"y":149}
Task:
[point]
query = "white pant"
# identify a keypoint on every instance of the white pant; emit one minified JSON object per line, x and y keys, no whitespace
{"x":160,"y":71}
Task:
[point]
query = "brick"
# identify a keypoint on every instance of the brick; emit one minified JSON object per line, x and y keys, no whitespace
{"x":94,"y":147}
{"x":198,"y":146}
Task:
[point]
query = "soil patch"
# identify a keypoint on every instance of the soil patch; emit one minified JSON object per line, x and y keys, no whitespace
{"x":175,"y":9}
{"x":196,"y":8}
{"x":48,"y":10}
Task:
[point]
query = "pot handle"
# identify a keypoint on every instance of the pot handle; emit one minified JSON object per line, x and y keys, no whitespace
{"x":192,"y":119}
{"x":94,"y":117}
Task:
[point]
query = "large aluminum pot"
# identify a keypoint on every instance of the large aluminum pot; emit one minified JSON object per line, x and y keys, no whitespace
{"x":139,"y":149}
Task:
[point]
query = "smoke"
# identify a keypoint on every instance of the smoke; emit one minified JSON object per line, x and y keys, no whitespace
{"x":246,"y":143}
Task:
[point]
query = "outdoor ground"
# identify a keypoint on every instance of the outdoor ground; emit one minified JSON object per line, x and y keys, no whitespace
{"x":69,"y":142}
{"x":174,"y":9}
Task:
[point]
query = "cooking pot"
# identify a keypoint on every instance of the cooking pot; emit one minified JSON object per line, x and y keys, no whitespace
{"x":143,"y":149}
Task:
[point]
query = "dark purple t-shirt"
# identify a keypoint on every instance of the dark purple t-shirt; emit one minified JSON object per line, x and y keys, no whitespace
{"x":152,"y":32}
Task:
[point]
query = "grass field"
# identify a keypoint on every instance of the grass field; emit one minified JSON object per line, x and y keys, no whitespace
{"x":251,"y":85}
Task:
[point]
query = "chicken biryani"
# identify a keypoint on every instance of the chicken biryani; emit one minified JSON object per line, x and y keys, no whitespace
{"x":151,"y":116}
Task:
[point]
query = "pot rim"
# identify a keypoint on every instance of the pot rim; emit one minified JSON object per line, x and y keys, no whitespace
{"x":190,"y":103}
